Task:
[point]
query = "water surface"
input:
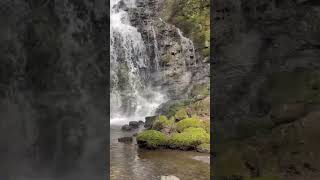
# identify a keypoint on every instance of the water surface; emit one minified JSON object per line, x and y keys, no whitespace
{"x":128,"y":162}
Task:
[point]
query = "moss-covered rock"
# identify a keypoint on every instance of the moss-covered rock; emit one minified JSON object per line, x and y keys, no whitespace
{"x":151,"y":139}
{"x":162,"y":122}
{"x":189,"y":122}
{"x":190,"y":138}
{"x":205,"y":147}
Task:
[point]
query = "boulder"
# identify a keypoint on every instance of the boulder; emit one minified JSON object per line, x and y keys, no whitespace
{"x":134,"y":124}
{"x":149,"y":121}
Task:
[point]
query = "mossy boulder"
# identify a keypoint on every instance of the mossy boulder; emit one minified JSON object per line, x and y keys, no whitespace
{"x":151,"y":139}
{"x":190,"y":138}
{"x":189,"y":122}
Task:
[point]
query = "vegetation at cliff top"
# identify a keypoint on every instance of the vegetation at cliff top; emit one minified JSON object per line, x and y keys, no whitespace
{"x":193,"y":18}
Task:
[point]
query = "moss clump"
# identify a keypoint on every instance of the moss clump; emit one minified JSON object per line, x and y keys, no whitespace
{"x":162,"y":122}
{"x":206,"y":126}
{"x":200,"y":108}
{"x":188,"y":122}
{"x":151,"y":139}
{"x":205,"y":147}
{"x":170,"y":109}
{"x":190,"y":138}
{"x":181,"y":114}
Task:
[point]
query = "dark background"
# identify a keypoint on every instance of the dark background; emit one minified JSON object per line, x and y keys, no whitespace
{"x":265,"y":87}
{"x":54,"y":89}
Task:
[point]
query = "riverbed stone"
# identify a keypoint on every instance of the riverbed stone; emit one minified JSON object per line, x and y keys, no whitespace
{"x":125,"y":139}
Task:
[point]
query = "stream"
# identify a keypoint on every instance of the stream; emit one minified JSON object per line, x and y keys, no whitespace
{"x":128,"y":162}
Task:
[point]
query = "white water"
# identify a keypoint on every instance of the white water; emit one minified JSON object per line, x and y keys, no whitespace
{"x":156,"y":49}
{"x":187,"y":49}
{"x":131,"y":96}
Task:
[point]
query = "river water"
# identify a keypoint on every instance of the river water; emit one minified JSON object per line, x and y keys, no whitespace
{"x":128,"y":162}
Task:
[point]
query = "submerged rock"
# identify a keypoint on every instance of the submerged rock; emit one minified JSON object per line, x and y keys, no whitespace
{"x":125,"y":139}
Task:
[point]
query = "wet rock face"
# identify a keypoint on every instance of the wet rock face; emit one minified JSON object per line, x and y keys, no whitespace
{"x":178,"y":59}
{"x":53,"y":75}
{"x":256,"y":43}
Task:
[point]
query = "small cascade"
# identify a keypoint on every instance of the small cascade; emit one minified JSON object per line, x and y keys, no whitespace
{"x":156,"y":49}
{"x":187,"y":49}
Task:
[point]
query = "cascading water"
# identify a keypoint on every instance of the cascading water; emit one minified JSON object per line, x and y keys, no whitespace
{"x":187,"y":48}
{"x":132,"y":98}
{"x":156,"y":49}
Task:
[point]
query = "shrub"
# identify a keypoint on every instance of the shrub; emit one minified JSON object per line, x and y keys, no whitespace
{"x":151,"y":139}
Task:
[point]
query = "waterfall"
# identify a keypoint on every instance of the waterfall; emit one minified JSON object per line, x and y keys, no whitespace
{"x":132,"y":98}
{"x":187,"y":49}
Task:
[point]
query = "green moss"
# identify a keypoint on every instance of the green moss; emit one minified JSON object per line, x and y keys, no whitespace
{"x":206,"y":125}
{"x":189,"y":122}
{"x":181,"y":114}
{"x":189,"y":138}
{"x":162,"y":122}
{"x":192,"y":17}
{"x":201,"y":90}
{"x":205,"y":147}
{"x":151,"y":139}
{"x":200,"y":108}
{"x":171,"y":109}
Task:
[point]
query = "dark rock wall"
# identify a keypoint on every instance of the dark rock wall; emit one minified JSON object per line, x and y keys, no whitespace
{"x":53,"y":86}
